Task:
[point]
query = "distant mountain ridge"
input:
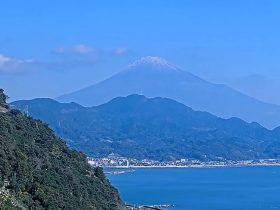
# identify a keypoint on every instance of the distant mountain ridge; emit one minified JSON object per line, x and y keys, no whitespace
{"x":155,"y":77}
{"x":155,"y":128}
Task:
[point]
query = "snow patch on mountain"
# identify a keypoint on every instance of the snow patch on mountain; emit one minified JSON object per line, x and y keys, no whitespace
{"x":154,"y":63}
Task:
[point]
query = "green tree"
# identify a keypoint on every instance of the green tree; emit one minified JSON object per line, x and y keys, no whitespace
{"x":43,"y":173}
{"x":3,"y":99}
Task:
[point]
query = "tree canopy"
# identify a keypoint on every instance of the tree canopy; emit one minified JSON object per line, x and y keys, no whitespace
{"x":38,"y":171}
{"x":3,"y":99}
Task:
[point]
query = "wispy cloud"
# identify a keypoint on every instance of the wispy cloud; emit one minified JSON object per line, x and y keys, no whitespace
{"x":79,"y":56}
{"x":76,"y":49}
{"x":120,"y":51}
{"x":83,"y":50}
{"x":11,"y":65}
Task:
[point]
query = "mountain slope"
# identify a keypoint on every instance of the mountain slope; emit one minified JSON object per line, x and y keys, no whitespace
{"x":38,"y":171}
{"x":156,"y":128}
{"x":155,"y":77}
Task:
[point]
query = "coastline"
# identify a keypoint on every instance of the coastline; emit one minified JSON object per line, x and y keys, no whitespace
{"x":192,"y":166}
{"x":126,"y":163}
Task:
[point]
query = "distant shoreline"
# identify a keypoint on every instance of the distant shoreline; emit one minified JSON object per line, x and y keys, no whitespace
{"x":126,"y":163}
{"x":193,"y":166}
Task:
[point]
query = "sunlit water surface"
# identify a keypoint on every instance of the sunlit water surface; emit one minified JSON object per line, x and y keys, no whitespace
{"x":247,"y":188}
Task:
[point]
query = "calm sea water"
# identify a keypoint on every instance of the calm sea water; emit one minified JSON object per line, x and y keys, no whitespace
{"x":248,"y":188}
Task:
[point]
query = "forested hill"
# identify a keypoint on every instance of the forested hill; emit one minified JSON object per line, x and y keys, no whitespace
{"x":154,"y":128}
{"x":38,"y":171}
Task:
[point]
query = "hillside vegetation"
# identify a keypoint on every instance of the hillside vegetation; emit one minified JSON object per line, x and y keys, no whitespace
{"x":38,"y":171}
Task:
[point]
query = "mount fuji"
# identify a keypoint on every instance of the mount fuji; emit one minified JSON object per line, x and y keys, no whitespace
{"x":155,"y":77}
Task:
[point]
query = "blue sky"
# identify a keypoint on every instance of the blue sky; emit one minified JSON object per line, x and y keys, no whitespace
{"x":48,"y":48}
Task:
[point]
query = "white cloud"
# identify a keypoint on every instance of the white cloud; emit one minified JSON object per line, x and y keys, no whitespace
{"x":4,"y":60}
{"x":120,"y":51}
{"x":76,"y":49}
{"x":9,"y":65}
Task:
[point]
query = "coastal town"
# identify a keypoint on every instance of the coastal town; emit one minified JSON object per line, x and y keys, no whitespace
{"x":115,"y":161}
{"x":149,"y":207}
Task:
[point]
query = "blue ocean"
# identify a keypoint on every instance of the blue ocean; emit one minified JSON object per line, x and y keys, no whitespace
{"x":244,"y":188}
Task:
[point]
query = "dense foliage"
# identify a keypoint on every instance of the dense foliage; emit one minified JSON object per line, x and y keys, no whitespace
{"x":3,"y":99}
{"x":157,"y":128}
{"x":42,"y":173}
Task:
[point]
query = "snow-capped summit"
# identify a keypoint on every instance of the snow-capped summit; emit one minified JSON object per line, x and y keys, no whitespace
{"x":152,"y":62}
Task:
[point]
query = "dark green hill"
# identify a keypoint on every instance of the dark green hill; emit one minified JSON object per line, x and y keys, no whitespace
{"x":156,"y":128}
{"x":38,"y":171}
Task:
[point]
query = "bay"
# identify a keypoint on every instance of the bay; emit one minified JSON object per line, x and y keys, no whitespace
{"x":244,"y":188}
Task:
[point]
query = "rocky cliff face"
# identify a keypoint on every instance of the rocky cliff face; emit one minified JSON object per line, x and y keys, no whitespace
{"x":3,"y":110}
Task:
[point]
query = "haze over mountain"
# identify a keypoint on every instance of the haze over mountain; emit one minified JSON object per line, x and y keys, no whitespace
{"x":155,"y":77}
{"x":156,"y":128}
